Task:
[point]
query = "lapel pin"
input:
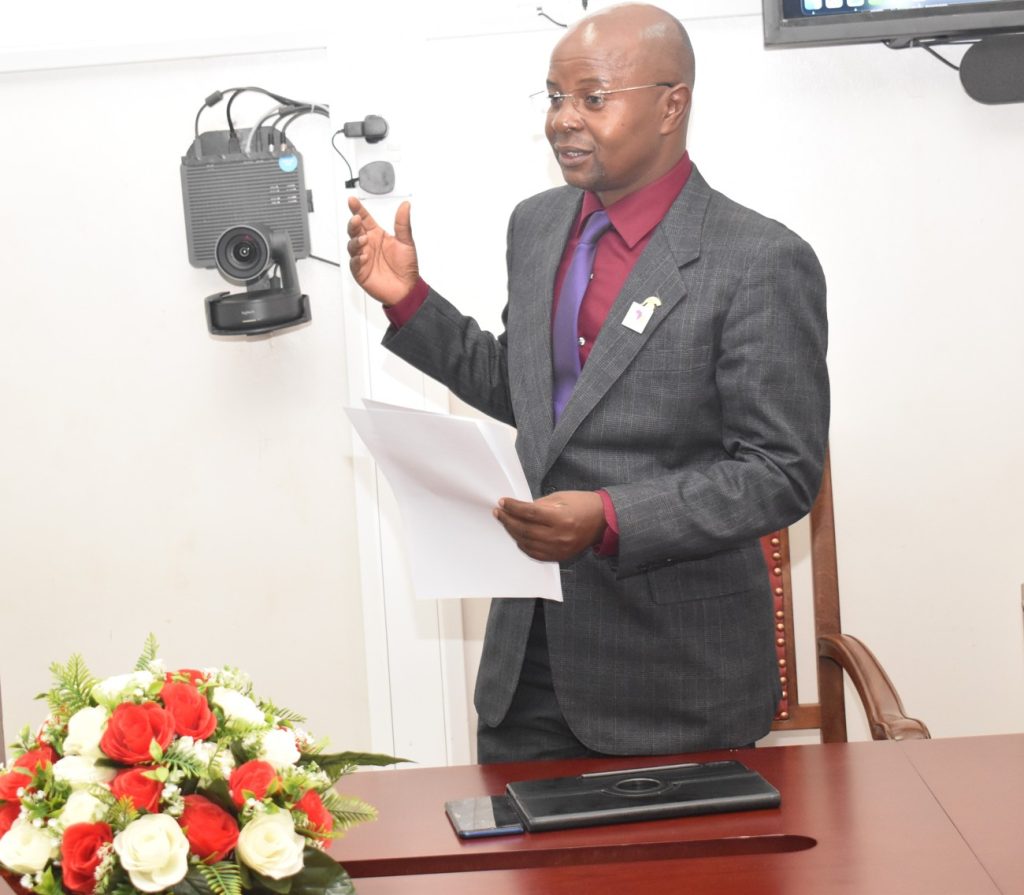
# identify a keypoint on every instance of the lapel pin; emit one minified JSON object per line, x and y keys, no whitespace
{"x":638,"y":315}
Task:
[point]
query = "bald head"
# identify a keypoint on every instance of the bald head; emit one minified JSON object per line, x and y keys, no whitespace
{"x":652,"y":40}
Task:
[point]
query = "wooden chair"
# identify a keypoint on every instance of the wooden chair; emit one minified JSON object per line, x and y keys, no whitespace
{"x":836,"y":652}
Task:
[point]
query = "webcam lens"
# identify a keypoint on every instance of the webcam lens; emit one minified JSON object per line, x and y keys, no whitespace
{"x":243,"y":254}
{"x":243,"y":251}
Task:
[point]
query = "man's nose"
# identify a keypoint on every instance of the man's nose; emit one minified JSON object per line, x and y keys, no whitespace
{"x":567,"y":117}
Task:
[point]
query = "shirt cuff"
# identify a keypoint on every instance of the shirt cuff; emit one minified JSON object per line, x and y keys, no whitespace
{"x":402,"y":312}
{"x":609,"y":544}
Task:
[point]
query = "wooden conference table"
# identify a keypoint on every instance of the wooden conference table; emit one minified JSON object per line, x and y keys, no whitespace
{"x":943,"y":817}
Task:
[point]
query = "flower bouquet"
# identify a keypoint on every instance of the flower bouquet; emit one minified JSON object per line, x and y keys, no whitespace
{"x":181,"y":782}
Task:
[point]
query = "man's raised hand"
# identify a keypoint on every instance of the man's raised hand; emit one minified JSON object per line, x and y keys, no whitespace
{"x":383,"y":264}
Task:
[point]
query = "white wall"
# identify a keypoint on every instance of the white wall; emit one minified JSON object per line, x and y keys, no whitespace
{"x":152,"y":477}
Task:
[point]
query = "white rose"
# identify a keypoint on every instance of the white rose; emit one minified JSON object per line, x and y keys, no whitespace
{"x":270,"y":846}
{"x":154,"y":852}
{"x":85,"y":729}
{"x":81,"y":808}
{"x":80,"y":771}
{"x":25,"y":848}
{"x":236,"y":706}
{"x":278,"y":748}
{"x":111,"y":688}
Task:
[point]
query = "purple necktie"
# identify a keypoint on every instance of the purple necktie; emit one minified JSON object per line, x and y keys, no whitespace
{"x":565,"y":347}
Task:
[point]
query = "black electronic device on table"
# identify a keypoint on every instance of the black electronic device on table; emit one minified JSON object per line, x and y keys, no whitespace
{"x":609,"y":797}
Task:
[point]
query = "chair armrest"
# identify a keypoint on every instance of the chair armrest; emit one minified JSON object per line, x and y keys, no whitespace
{"x":882,"y":705}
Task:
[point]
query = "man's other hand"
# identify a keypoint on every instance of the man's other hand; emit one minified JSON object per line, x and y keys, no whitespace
{"x":556,"y":527}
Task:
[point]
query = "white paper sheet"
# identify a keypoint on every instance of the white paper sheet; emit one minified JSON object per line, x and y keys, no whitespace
{"x":447,"y":474}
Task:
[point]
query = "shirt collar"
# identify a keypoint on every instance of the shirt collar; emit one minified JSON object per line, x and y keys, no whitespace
{"x":635,"y":215}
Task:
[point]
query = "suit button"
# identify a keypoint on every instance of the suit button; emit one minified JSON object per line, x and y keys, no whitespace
{"x":549,"y":490}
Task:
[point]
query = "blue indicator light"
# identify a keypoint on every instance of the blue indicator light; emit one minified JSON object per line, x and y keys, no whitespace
{"x":288,"y":163}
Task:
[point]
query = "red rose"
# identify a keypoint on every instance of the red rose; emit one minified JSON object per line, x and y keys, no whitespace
{"x":143,"y":791}
{"x":9,"y":812}
{"x":10,"y":783}
{"x":317,"y":816}
{"x":43,"y":754}
{"x":194,"y":677}
{"x":132,"y":728}
{"x":189,"y":709}
{"x":79,"y":852}
{"x":210,"y":830}
{"x":31,"y":761}
{"x":255,"y":779}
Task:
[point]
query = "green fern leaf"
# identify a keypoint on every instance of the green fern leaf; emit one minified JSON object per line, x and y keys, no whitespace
{"x":122,"y":813}
{"x":223,"y":878}
{"x":72,"y":688}
{"x":149,"y":653}
{"x":178,"y":759}
{"x":281,"y":713}
{"x":348,"y":811}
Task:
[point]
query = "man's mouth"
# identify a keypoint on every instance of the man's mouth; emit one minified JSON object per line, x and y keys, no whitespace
{"x":571,"y":155}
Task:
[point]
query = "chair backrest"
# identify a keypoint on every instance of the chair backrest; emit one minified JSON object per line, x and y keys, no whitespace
{"x":835,"y":651}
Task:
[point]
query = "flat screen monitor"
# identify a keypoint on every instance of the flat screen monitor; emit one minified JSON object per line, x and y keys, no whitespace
{"x":898,"y":23}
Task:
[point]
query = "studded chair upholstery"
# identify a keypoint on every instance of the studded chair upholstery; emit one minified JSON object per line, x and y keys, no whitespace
{"x":836,"y":652}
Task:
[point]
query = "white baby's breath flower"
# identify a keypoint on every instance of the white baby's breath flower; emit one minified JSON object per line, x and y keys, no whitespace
{"x":229,"y":677}
{"x":318,"y":779}
{"x":154,"y":852}
{"x":217,"y":762}
{"x":25,"y":849}
{"x":111,"y":688}
{"x":237,"y":707}
{"x":277,"y":747}
{"x":225,"y":763}
{"x":81,"y":772}
{"x":106,"y":854}
{"x":85,"y":729}
{"x":303,"y":737}
{"x":270,"y":846}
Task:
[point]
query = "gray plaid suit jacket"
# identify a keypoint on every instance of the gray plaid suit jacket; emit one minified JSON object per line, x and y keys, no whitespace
{"x":708,"y":429}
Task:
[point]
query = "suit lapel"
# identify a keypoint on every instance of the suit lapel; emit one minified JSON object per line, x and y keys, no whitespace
{"x":674,"y":244}
{"x":546,"y":242}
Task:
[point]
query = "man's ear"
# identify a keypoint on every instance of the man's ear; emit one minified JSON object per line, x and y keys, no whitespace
{"x":677,"y":108}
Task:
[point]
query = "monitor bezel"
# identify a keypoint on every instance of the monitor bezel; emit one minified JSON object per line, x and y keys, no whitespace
{"x":897,"y":28}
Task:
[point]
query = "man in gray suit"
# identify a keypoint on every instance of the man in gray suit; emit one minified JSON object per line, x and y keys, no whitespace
{"x":693,"y":420}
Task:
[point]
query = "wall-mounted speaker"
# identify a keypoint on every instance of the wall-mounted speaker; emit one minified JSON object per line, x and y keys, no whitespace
{"x":992,"y":70}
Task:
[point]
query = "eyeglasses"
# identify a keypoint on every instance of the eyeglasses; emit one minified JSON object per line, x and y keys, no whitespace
{"x":582,"y":100}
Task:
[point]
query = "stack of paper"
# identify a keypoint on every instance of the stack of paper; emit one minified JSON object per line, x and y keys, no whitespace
{"x":447,"y":474}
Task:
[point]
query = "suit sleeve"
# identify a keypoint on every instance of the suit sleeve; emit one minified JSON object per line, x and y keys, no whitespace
{"x":773,"y":394}
{"x":450,"y":347}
